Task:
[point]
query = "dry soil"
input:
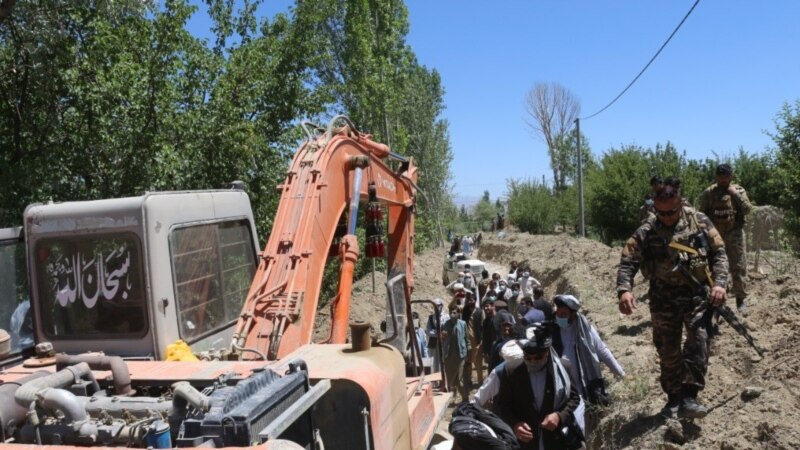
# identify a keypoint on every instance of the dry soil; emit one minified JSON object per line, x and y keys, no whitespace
{"x":753,"y":401}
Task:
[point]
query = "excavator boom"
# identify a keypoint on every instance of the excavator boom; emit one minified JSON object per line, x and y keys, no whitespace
{"x":330,"y":172}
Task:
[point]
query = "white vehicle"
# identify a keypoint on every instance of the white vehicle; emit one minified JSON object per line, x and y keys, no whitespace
{"x":455,"y":264}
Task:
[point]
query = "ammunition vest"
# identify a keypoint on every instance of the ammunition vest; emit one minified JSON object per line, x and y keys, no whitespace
{"x":660,"y":259}
{"x":723,"y":211}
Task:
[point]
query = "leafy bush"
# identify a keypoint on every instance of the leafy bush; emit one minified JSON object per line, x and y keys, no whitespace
{"x":786,"y":178}
{"x":615,"y":188}
{"x":750,"y":171}
{"x":531,"y":207}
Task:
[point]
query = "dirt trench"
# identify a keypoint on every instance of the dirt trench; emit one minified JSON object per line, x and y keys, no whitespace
{"x":766,"y":417}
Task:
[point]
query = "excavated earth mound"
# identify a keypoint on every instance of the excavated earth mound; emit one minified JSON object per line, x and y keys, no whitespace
{"x":754,"y":402}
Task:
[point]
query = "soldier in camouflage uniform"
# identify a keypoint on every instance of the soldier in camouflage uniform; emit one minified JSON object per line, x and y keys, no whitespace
{"x":646,"y":210}
{"x":727,"y":205}
{"x":677,"y":294}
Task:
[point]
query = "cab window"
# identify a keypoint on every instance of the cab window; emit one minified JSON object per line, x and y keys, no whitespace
{"x":15,"y":315}
{"x":90,"y":287}
{"x":213,"y":265}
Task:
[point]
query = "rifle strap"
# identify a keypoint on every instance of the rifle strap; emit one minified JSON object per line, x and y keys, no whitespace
{"x":693,"y":252}
{"x":683,"y":248}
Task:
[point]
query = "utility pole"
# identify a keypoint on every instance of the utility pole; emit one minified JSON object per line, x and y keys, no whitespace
{"x":582,"y":224}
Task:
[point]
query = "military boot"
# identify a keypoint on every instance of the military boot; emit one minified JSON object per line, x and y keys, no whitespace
{"x":670,"y":410}
{"x":690,"y":408}
{"x":741,"y":306}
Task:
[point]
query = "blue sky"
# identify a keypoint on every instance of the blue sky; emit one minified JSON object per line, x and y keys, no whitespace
{"x":716,"y":87}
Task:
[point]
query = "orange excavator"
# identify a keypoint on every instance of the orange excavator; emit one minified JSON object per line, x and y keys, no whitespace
{"x":330,"y":174}
{"x":273,"y":388}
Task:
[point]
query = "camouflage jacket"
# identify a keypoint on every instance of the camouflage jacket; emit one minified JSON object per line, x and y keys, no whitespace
{"x":727,"y":212}
{"x":648,"y":250}
{"x":646,"y":212}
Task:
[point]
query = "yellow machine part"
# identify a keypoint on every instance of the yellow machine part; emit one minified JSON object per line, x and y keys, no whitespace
{"x":180,"y":351}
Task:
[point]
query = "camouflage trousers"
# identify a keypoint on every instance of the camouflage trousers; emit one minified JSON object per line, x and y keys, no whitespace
{"x":672,"y":310}
{"x":736,"y":250}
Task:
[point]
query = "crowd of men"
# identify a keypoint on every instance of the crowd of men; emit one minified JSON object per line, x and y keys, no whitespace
{"x":464,"y":243}
{"x":496,"y":330}
{"x":537,"y":362}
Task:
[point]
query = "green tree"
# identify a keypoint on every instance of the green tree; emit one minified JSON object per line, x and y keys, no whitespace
{"x":81,"y":89}
{"x":364,"y":64}
{"x":614,"y":192}
{"x":750,"y":170}
{"x":566,"y":155}
{"x":616,"y":187}
{"x":428,"y":141}
{"x":530,"y":207}
{"x":362,"y":58}
{"x":565,"y":208}
{"x":484,"y":211}
{"x":786,"y":178}
{"x":119,"y":98}
{"x":104,"y":99}
{"x":262,"y":85}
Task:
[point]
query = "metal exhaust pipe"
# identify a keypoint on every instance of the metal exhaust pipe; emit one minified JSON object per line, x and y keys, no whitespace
{"x":359,"y":333}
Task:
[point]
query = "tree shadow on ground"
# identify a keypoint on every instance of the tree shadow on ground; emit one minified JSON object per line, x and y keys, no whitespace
{"x":635,"y":330}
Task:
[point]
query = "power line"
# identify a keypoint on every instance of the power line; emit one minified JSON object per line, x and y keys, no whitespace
{"x":648,"y":64}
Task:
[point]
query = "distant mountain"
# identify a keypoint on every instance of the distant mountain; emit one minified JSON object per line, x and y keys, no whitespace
{"x":466,"y":200}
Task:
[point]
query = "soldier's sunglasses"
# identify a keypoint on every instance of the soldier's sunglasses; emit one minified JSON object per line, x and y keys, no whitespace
{"x":667,"y":213}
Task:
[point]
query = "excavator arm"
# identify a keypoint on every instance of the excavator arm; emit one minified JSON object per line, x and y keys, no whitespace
{"x":329,"y":174}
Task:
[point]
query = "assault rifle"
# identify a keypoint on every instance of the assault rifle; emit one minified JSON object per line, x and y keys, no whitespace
{"x":733,"y":321}
{"x":694,"y":261}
